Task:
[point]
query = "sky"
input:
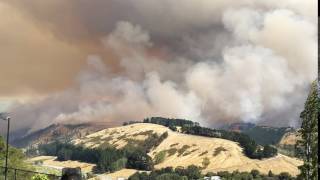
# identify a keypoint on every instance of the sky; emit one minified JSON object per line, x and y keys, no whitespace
{"x":214,"y":62}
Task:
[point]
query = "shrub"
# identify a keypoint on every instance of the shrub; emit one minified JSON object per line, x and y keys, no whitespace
{"x":40,"y":177}
{"x":269,"y":151}
{"x":218,"y":150}
{"x":270,"y":174}
{"x":172,"y":151}
{"x":284,"y":176}
{"x":203,"y":153}
{"x":205,"y":162}
{"x":193,"y":172}
{"x":255,"y":173}
{"x":175,"y":144}
{"x":159,"y":158}
{"x":183,"y":149}
{"x":64,"y":154}
{"x":169,"y":176}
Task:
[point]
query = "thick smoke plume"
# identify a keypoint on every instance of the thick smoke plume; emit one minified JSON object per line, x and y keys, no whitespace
{"x":214,"y":62}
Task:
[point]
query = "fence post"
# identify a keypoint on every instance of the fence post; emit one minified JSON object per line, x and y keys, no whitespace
{"x":15,"y":174}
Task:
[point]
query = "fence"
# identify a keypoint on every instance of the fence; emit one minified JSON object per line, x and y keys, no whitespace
{"x":21,"y":174}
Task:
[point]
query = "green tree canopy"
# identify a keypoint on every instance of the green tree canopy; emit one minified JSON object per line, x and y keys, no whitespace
{"x":309,"y":134}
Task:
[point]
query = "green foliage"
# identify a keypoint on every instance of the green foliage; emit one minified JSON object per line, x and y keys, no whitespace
{"x":205,"y":162}
{"x":255,"y":173}
{"x":183,"y":149}
{"x":266,"y":135}
{"x":169,"y":176}
{"x":130,"y":122}
{"x":16,"y":159}
{"x":190,"y":173}
{"x":138,"y":159}
{"x":172,"y":151}
{"x":270,"y":174}
{"x":218,"y":150}
{"x":309,"y":132}
{"x":248,"y":144}
{"x":40,"y":177}
{"x":153,"y":141}
{"x":108,"y":159}
{"x":170,"y":122}
{"x":203,"y":153}
{"x":173,"y":128}
{"x":175,"y":144}
{"x":139,"y":176}
{"x":269,"y":151}
{"x":64,"y":154}
{"x":16,"y":156}
{"x":194,"y":173}
{"x":288,"y":150}
{"x":159,"y":157}
{"x":284,"y":176}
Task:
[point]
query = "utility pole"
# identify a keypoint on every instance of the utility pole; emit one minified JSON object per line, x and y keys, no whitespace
{"x":5,"y":117}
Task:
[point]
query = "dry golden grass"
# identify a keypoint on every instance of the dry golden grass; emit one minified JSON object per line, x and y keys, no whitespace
{"x":120,"y":136}
{"x":49,"y":161}
{"x":195,"y":149}
{"x":290,"y":138}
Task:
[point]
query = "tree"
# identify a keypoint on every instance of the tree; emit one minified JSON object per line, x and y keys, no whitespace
{"x":284,"y":176}
{"x":205,"y":162}
{"x":169,"y":176}
{"x":270,"y":174}
{"x":40,"y":177}
{"x":269,"y":151}
{"x":16,"y":159}
{"x":64,"y":154}
{"x":255,"y":173}
{"x":309,"y":134}
{"x":160,"y":157}
{"x":193,"y":172}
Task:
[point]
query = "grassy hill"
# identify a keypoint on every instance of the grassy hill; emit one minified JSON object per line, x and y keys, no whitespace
{"x":213,"y":154}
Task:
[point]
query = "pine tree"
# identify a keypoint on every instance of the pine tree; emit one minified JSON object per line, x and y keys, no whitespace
{"x":309,"y":134}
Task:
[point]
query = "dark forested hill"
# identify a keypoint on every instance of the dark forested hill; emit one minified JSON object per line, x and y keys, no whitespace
{"x":261,"y":134}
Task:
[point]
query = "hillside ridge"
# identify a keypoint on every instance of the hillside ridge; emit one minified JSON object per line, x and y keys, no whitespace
{"x":183,"y":150}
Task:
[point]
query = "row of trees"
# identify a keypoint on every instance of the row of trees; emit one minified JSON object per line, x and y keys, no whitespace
{"x":194,"y":172}
{"x":107,"y":159}
{"x":170,"y":122}
{"x":168,"y":173}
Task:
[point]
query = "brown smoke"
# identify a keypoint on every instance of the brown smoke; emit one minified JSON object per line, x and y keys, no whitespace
{"x":209,"y":61}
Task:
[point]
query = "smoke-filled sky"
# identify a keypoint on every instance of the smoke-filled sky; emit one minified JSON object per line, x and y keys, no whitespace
{"x":211,"y":61}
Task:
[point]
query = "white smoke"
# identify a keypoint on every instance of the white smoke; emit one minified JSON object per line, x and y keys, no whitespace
{"x":256,"y":69}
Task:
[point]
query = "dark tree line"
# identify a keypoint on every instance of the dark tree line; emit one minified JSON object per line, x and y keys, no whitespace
{"x":168,"y":173}
{"x":170,"y":122}
{"x":108,"y":159}
{"x":194,"y":172}
{"x":250,"y":147}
